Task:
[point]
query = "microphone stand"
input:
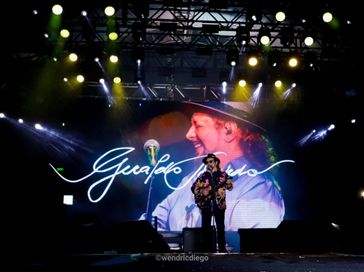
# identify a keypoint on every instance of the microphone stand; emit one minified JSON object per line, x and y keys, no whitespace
{"x":152,"y":149}
{"x":148,"y":210}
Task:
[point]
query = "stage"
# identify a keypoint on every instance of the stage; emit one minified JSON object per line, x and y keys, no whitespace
{"x":294,"y":246}
{"x":267,"y":262}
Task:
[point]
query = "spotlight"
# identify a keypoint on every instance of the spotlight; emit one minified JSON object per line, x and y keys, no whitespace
{"x":109,"y":11}
{"x":264,"y":36}
{"x":242,"y":83}
{"x":308,"y":36}
{"x":232,"y":56}
{"x":280,"y":16}
{"x":138,"y":54}
{"x":327,"y":17}
{"x":310,"y":58}
{"x":242,"y":35}
{"x":254,"y":11}
{"x":274,"y":58}
{"x":253,"y":60}
{"x":278,"y":83}
{"x":293,"y":61}
{"x":57,"y":9}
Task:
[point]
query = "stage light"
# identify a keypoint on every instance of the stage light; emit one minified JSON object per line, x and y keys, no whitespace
{"x":280,"y":16}
{"x":80,"y":78}
{"x":254,"y":11}
{"x":224,"y":85}
{"x":253,"y":61}
{"x":73,"y":57}
{"x":306,"y":138}
{"x":2,"y":115}
{"x":274,"y":58}
{"x":264,"y":36}
{"x":278,"y":83}
{"x":114,"y":58}
{"x":64,"y":33}
{"x":293,"y":62}
{"x":38,"y":126}
{"x":113,"y":36}
{"x":117,"y":80}
{"x":255,"y":97}
{"x":308,"y":41}
{"x":336,"y":226}
{"x":310,"y":59}
{"x":232,"y":56}
{"x":288,"y":91}
{"x":242,"y":83}
{"x":138,"y":54}
{"x":308,"y":36}
{"x":327,"y":17}
{"x":242,"y":35}
{"x":57,"y":9}
{"x":109,"y":11}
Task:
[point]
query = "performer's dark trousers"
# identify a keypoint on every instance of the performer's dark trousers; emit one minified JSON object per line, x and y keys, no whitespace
{"x":220,"y":224}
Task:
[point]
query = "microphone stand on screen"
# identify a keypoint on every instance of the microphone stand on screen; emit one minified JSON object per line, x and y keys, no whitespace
{"x":151,"y":147}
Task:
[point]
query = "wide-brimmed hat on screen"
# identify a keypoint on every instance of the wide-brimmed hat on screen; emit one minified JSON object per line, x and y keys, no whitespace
{"x":237,"y":111}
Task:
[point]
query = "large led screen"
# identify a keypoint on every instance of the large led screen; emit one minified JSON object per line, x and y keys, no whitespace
{"x":139,"y":162}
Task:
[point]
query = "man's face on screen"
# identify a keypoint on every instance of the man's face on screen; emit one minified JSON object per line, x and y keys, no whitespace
{"x":205,"y":134}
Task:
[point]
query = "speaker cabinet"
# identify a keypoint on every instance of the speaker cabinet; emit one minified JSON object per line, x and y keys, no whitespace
{"x":122,"y":237}
{"x":197,"y":240}
{"x":138,"y":237}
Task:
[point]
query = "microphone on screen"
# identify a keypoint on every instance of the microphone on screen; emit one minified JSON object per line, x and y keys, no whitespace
{"x":152,"y":146}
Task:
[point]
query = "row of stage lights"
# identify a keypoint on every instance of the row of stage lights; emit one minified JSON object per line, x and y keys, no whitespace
{"x":253,"y":60}
{"x":242,"y":32}
{"x":114,"y":59}
{"x":313,"y":135}
{"x":274,"y":57}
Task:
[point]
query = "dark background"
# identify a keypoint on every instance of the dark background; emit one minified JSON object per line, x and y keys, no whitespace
{"x":324,"y":184}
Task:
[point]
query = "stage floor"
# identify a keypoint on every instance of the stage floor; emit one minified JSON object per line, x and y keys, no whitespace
{"x":267,"y":262}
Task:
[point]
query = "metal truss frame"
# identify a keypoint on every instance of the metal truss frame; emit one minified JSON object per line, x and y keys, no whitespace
{"x":191,"y":26}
